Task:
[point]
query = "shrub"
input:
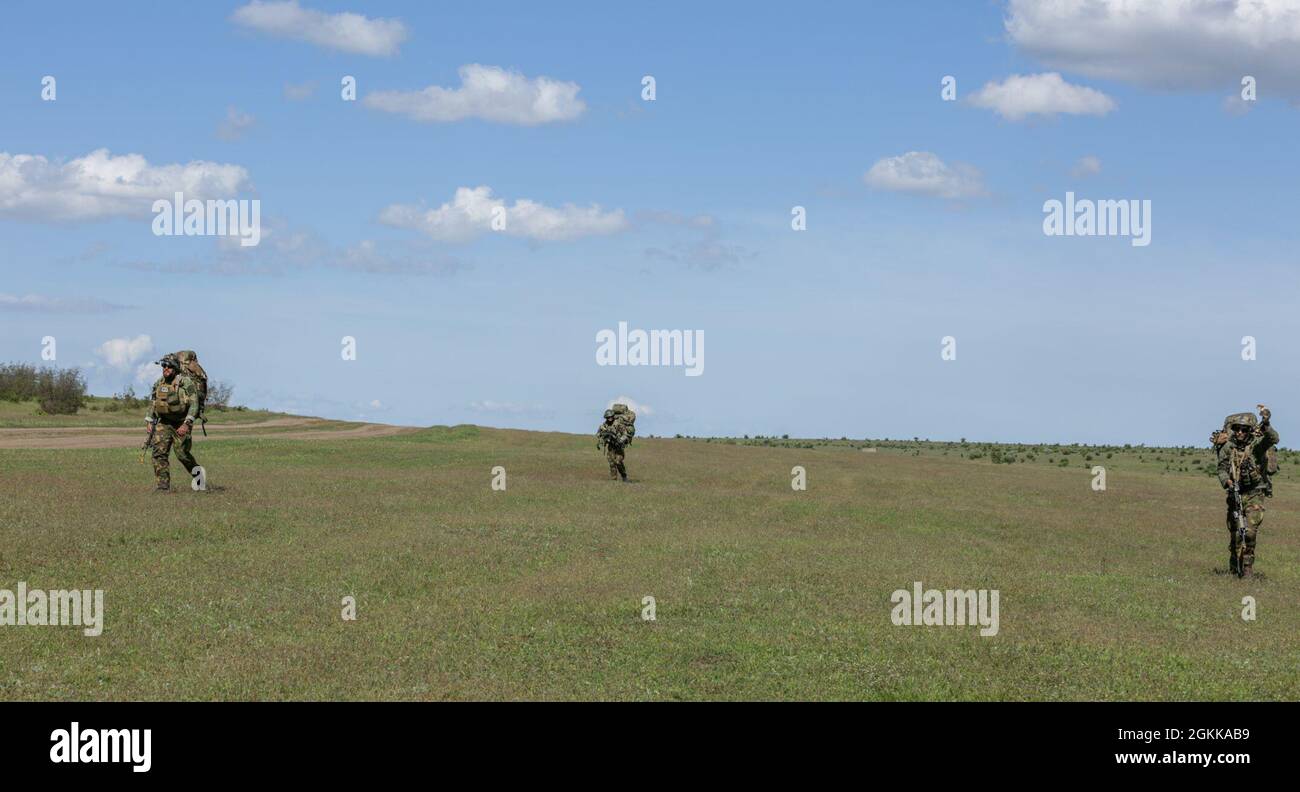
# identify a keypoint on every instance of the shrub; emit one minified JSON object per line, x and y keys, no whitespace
{"x":127,"y":399}
{"x":219,"y":394}
{"x":18,"y":382}
{"x":61,"y":392}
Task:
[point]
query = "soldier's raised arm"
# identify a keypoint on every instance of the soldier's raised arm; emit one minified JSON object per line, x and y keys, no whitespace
{"x":1268,"y":435}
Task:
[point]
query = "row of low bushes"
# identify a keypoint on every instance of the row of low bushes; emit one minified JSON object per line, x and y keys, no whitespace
{"x":58,"y":391}
{"x":63,"y":391}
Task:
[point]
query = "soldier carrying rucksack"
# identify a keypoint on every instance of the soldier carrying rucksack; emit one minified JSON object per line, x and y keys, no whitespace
{"x":615,"y":435}
{"x":176,"y":402}
{"x":1247,"y":459}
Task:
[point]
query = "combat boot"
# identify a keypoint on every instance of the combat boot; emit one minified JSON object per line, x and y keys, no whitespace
{"x":163,"y":488}
{"x":1247,"y":570}
{"x":1232,"y":563}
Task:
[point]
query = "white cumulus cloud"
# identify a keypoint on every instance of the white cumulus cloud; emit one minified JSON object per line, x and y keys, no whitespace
{"x":148,"y":372}
{"x":471,"y":212}
{"x":123,"y":353}
{"x":1165,"y":44}
{"x":345,"y":32}
{"x":489,"y":93}
{"x":924,"y":173}
{"x":1020,"y":96}
{"x":100,"y":185}
{"x":636,"y":406}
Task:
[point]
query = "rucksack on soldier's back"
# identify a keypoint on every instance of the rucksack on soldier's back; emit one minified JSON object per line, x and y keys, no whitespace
{"x":1220,"y":438}
{"x":625,"y":420}
{"x":191,"y":368}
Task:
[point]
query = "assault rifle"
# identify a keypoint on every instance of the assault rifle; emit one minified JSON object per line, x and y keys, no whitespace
{"x":1239,"y":524}
{"x":610,"y":436}
{"x":148,"y":441}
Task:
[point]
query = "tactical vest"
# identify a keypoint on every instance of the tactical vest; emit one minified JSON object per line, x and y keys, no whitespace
{"x":168,"y":399}
{"x":1248,"y":474}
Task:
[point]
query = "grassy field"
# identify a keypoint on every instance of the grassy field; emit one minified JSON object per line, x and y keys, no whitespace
{"x":536,"y":592}
{"x":101,"y":411}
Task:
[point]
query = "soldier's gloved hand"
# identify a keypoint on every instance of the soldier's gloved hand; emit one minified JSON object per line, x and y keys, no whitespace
{"x":1264,"y":413}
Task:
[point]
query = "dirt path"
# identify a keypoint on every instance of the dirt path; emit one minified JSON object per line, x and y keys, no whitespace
{"x":126,"y":437}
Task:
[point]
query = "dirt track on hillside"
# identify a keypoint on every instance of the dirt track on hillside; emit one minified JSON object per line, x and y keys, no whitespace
{"x":126,"y":437}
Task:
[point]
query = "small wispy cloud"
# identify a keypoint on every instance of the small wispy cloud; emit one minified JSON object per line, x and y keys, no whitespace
{"x":491,"y":407}
{"x":37,"y":303}
{"x":1234,"y":105}
{"x":922,"y":172}
{"x":707,"y":251}
{"x":488,"y":93}
{"x":1086,"y":166}
{"x":473,"y":210}
{"x":299,"y":92}
{"x":235,"y":125}
{"x":344,"y":32}
{"x":1020,"y":96}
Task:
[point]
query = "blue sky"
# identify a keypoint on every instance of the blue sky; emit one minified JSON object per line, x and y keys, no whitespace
{"x":830,"y":331}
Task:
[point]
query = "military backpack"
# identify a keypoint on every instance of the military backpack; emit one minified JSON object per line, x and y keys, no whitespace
{"x":1219,"y":438}
{"x":624,"y":422}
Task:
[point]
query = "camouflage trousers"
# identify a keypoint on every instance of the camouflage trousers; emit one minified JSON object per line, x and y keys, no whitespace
{"x":1252,"y":503}
{"x":614,"y":454}
{"x":164,"y":440}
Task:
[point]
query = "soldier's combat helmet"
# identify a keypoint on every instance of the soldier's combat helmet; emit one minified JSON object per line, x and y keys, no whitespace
{"x":1240,"y":419}
{"x":609,"y":414}
{"x":170,"y":361}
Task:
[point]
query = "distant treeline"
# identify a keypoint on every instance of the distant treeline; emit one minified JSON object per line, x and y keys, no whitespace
{"x":59,"y":391}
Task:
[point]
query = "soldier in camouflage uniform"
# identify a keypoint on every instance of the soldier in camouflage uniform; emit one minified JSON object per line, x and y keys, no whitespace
{"x":610,"y":435}
{"x":1243,"y":458}
{"x":173,"y":406}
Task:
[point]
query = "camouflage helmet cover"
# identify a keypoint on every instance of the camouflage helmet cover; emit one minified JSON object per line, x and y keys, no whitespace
{"x":1243,"y":419}
{"x":609,"y":414}
{"x":170,"y":361}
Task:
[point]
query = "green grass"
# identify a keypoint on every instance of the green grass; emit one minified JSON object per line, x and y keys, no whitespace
{"x":762,"y":592}
{"x":101,"y":411}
